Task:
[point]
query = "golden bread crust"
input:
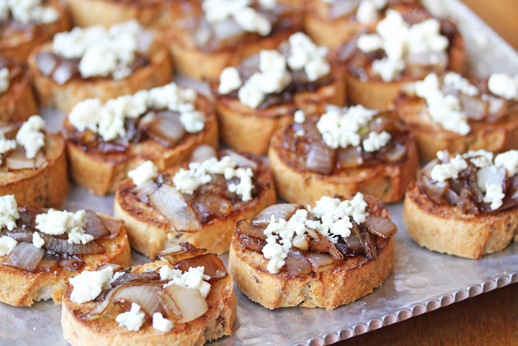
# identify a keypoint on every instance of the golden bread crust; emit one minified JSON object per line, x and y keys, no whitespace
{"x":250,"y":130}
{"x":101,"y":173}
{"x":386,"y":182}
{"x":20,"y":46}
{"x":350,"y":280}
{"x":149,"y":232}
{"x":43,"y":187}
{"x":215,"y":323}
{"x":431,"y":138}
{"x":18,"y":103}
{"x":444,"y":228}
{"x":65,"y":97}
{"x":22,"y":288}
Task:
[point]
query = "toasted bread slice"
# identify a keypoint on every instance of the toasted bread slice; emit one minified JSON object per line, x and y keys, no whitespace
{"x":149,"y":232}
{"x":18,"y":103}
{"x":101,"y":173}
{"x":64,"y":97}
{"x":431,"y":137}
{"x":351,"y":279}
{"x":387,"y":182}
{"x":215,"y":323}
{"x":250,"y":130}
{"x":444,"y":228}
{"x":18,"y":45}
{"x":46,"y":186}
{"x":23,"y":288}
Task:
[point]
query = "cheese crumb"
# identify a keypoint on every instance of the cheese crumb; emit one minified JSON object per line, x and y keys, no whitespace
{"x":494,"y":195}
{"x":367,"y":13}
{"x":143,"y":173}
{"x":193,"y":278}
{"x":56,"y":222}
{"x":161,"y":324}
{"x":445,"y":171}
{"x":167,"y":273}
{"x":30,"y":135}
{"x":133,"y":319}
{"x":37,"y":240}
{"x":8,"y":212}
{"x":7,"y":244}
{"x":503,"y":85}
{"x":376,"y":141}
{"x":88,"y":285}
{"x":229,"y":80}
{"x":304,"y":54}
{"x":28,"y":11}
{"x":509,"y":161}
{"x":299,"y":117}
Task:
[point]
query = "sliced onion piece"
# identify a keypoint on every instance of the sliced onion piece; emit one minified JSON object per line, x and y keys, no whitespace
{"x":181,"y":252}
{"x":487,"y":175}
{"x":64,"y":72}
{"x":203,"y":153}
{"x":94,"y":226}
{"x":17,"y":159}
{"x":241,"y":160}
{"x":396,"y":153}
{"x":331,"y":247}
{"x":71,"y":263}
{"x":474,"y":107}
{"x":203,"y":34}
{"x":46,"y":62}
{"x":20,"y":235}
{"x":206,"y":206}
{"x":50,"y":262}
{"x":251,"y":243}
{"x":172,"y":205}
{"x":354,"y":246}
{"x":144,"y":40}
{"x":497,"y":108}
{"x":301,"y":242}
{"x":144,"y":277}
{"x":183,"y":304}
{"x":62,"y":246}
{"x":245,"y":227}
{"x":145,"y":189}
{"x":320,"y":158}
{"x":25,"y":256}
{"x":350,"y":157}
{"x":113,"y":225}
{"x":434,"y":190}
{"x":320,"y":261}
{"x":227,"y":29}
{"x":342,"y":8}
{"x":211,"y":262}
{"x":166,"y":130}
{"x":279,"y":211}
{"x":296,"y":264}
{"x":380,"y":226}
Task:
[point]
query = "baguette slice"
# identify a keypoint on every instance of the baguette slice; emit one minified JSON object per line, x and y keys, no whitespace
{"x":350,"y":280}
{"x":444,"y":228}
{"x":431,"y":138}
{"x":149,"y":232}
{"x":46,"y":186}
{"x":23,"y":288}
{"x":19,"y":45}
{"x":215,"y":323}
{"x":18,"y":103}
{"x":101,"y":173}
{"x":64,"y":97}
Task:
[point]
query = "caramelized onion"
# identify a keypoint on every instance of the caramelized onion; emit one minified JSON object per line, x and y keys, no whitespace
{"x":71,"y":263}
{"x":350,"y":157}
{"x":48,"y":263}
{"x":211,"y":262}
{"x":172,"y":205}
{"x":331,"y":247}
{"x":380,"y":226}
{"x":241,"y":160}
{"x":20,"y":235}
{"x":296,"y":264}
{"x":144,"y":40}
{"x":94,"y":226}
{"x":181,"y":252}
{"x":62,"y":246}
{"x":320,"y":261}
{"x":369,"y":244}
{"x":203,"y":153}
{"x":143,"y":190}
{"x":487,"y":175}
{"x":46,"y":62}
{"x":320,"y":158}
{"x":227,"y":29}
{"x":497,"y":108}
{"x":279,"y":211}
{"x":113,"y":225}
{"x":395,"y":153}
{"x":301,"y":242}
{"x":128,"y":277}
{"x":245,"y":227}
{"x":474,"y":107}
{"x":25,"y":256}
{"x":166,"y":130}
{"x":206,"y":206}
{"x":64,"y":72}
{"x":251,"y":243}
{"x":183,"y":304}
{"x":434,"y":190}
{"x":342,"y":8}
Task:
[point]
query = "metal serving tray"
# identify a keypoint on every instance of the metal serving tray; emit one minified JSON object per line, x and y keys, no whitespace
{"x":421,"y":281}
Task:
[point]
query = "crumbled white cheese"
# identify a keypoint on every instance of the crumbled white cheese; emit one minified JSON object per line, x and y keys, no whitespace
{"x":187,"y":181}
{"x":304,"y":54}
{"x":88,"y":285}
{"x":117,"y":275}
{"x":398,"y":39}
{"x":480,"y":158}
{"x":143,"y":173}
{"x":8,"y":212}
{"x":335,"y":221}
{"x":4,"y":80}
{"x":268,"y":4}
{"x":494,"y":195}
{"x":509,"y":161}
{"x":445,"y":110}
{"x":26,"y":11}
{"x":229,"y":80}
{"x":241,"y":11}
{"x":102,"y":52}
{"x":445,"y":171}
{"x":299,"y":117}
{"x":376,"y":141}
{"x":161,"y":324}
{"x":367,"y":13}
{"x":461,"y":84}
{"x":193,"y":278}
{"x":6,"y":145}
{"x":37,"y":240}
{"x":133,"y":319}
{"x":7,"y":244}
{"x":342,"y":127}
{"x":108,"y":120}
{"x":56,"y":222}
{"x":30,"y":135}
{"x":167,"y":273}
{"x":503,"y":85}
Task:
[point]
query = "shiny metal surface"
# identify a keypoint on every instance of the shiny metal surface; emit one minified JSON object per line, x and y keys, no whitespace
{"x":421,"y":281}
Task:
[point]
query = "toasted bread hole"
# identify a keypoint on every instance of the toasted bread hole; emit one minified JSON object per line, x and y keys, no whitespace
{"x":256,"y":279}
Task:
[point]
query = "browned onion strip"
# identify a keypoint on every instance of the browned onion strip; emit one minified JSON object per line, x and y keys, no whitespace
{"x":166,"y":130}
{"x":94,"y":226}
{"x":181,"y":252}
{"x":245,"y":227}
{"x":320,"y":261}
{"x":331,"y":247}
{"x":206,"y":206}
{"x":212,"y":264}
{"x":144,"y":190}
{"x":280,"y":211}
{"x":113,"y":225}
{"x":296,"y":264}
{"x":241,"y":160}
{"x":183,"y":304}
{"x":25,"y":256}
{"x":62,"y":246}
{"x":380,"y":226}
{"x":320,"y":158}
{"x":203,"y":153}
{"x":173,"y":207}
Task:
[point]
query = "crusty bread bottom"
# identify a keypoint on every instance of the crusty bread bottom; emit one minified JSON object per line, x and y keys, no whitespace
{"x":215,"y":323}
{"x":445,"y":229}
{"x":22,"y":288}
{"x":349,"y":281}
